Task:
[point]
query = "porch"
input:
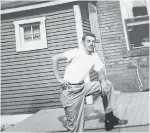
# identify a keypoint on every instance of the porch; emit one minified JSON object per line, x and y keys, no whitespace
{"x":131,"y":106}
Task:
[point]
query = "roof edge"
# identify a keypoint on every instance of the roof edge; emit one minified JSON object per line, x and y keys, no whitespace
{"x":30,"y":7}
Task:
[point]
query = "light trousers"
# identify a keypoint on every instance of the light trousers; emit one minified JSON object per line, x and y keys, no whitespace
{"x":73,"y":102}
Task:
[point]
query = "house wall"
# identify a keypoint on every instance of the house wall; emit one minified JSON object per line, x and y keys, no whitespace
{"x":121,"y":71}
{"x":28,"y":83}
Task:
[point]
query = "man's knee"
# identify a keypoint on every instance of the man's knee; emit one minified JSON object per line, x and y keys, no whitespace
{"x":108,"y":82}
{"x":109,"y":86}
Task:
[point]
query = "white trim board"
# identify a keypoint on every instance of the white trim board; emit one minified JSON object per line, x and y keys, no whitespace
{"x":29,"y":7}
{"x":78,"y":21}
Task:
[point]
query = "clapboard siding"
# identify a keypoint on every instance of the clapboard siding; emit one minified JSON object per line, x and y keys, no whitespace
{"x":49,"y":51}
{"x":32,"y":105}
{"x":20,"y":66}
{"x":24,"y":61}
{"x":53,"y":42}
{"x":27,"y":69}
{"x":33,"y":86}
{"x":53,"y":48}
{"x":30,"y":94}
{"x":29,"y":65}
{"x":34,"y":108}
{"x":28,"y":81}
{"x":47,"y":11}
{"x":31,"y":90}
{"x":34,"y":97}
{"x":31,"y":79}
{"x":30,"y":108}
{"x":48,"y":38}
{"x":53,"y":82}
{"x":85,"y":17}
{"x":29,"y":102}
{"x":47,"y":103}
{"x":52,"y":45}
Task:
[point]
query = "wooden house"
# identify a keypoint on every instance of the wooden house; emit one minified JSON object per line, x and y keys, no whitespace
{"x":33,"y":31}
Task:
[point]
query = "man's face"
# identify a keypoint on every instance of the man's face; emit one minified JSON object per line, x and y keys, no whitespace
{"x":89,"y":44}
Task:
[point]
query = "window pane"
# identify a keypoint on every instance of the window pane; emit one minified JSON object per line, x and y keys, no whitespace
{"x":139,"y":11}
{"x":139,"y":35}
{"x":36,"y":37}
{"x":27,"y":30}
{"x":27,"y":38}
{"x":36,"y":28}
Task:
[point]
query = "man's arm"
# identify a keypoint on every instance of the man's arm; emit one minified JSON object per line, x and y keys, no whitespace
{"x":102,"y":79}
{"x":101,"y":75}
{"x":55,"y":61}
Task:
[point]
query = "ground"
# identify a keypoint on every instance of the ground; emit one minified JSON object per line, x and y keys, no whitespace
{"x":131,"y":106}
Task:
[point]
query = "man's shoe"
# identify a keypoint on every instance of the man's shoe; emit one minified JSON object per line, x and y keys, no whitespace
{"x":108,"y":125}
{"x":111,"y":121}
{"x":117,"y":121}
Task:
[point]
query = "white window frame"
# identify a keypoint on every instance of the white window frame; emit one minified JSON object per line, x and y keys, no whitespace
{"x":33,"y":45}
{"x":125,"y":17}
{"x":133,"y":24}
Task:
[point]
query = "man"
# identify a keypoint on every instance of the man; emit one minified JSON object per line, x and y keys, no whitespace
{"x":74,"y":89}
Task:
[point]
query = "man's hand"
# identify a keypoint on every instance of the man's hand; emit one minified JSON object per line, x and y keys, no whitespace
{"x":104,"y":83}
{"x":105,"y":87}
{"x":62,"y":81}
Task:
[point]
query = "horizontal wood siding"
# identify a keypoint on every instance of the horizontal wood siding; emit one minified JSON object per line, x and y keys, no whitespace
{"x":113,"y":39}
{"x":28,"y":83}
{"x":85,"y":17}
{"x":86,"y":29}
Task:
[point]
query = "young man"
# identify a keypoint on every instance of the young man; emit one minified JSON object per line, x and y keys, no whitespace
{"x":74,"y":89}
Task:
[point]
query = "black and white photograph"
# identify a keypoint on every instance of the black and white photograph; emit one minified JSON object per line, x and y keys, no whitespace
{"x":75,"y":66}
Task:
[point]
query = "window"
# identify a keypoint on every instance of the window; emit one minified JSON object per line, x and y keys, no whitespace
{"x":136,"y":23}
{"x":30,"y":34}
{"x":138,"y":32}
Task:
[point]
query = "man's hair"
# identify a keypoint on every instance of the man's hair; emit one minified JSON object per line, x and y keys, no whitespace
{"x":88,"y":34}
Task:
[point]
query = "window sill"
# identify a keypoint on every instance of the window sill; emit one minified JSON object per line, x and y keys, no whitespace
{"x":143,"y":51}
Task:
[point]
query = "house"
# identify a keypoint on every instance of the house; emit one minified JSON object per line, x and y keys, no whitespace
{"x":33,"y":31}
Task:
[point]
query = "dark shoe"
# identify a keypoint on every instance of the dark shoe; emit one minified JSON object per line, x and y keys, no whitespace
{"x":111,"y":121}
{"x":108,"y":125}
